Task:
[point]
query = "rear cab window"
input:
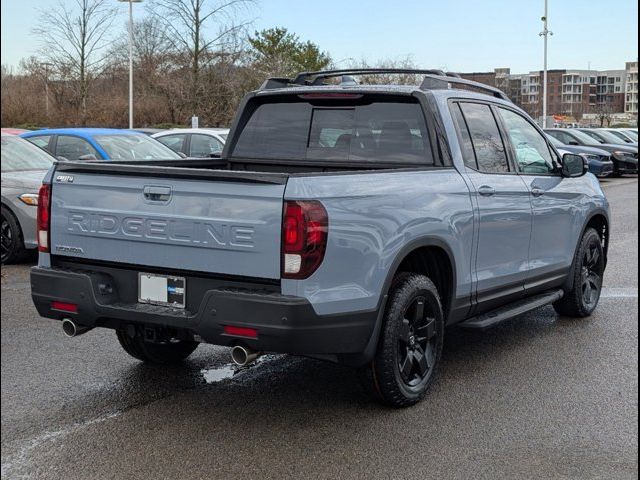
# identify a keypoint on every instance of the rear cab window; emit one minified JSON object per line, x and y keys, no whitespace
{"x":362,"y":129}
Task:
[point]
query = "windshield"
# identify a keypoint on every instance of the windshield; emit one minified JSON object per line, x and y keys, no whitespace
{"x":134,"y":147}
{"x":18,"y":155}
{"x":609,"y":137}
{"x":585,"y":139}
{"x":631,"y":134}
{"x":555,"y":142}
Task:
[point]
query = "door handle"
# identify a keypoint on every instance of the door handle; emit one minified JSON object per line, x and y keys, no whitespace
{"x":157,"y":194}
{"x":537,"y":192}
{"x":486,"y":190}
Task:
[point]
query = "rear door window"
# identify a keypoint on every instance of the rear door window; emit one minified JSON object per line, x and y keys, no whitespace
{"x":488,"y":146}
{"x":465,"y":139}
{"x":42,"y":141}
{"x":75,"y":148}
{"x":381,"y":131}
{"x":175,"y":142}
{"x":204,"y":146}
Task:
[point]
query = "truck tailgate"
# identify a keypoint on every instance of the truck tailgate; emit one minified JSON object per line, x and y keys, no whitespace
{"x":228,"y":226}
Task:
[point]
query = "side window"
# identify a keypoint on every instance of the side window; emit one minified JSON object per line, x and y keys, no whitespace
{"x":531,"y":149}
{"x":203,"y":146}
{"x":485,"y":138}
{"x":560,"y":136}
{"x":42,"y":141}
{"x":465,"y":139}
{"x":174,"y":142}
{"x":75,"y":148}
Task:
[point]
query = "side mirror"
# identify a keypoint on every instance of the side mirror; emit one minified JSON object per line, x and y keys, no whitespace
{"x":574,"y":165}
{"x":182,"y":154}
{"x":215,"y":155}
{"x":62,"y":159}
{"x":89,"y":156}
{"x":573,"y":142}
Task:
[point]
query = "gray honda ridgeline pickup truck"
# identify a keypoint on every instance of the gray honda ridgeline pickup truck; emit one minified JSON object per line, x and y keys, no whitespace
{"x":346,"y":222}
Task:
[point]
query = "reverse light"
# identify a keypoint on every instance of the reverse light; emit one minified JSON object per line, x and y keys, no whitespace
{"x":305,"y":230}
{"x":29,"y":199}
{"x":44,"y":217}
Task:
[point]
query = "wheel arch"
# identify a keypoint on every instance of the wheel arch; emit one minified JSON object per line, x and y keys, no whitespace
{"x":598,"y":220}
{"x":412,"y":256}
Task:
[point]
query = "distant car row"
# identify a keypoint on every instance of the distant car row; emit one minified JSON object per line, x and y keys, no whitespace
{"x":606,"y":152}
{"x":114,"y":144}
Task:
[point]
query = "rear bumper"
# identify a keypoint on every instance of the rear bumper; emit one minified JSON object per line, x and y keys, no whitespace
{"x":285,"y":324}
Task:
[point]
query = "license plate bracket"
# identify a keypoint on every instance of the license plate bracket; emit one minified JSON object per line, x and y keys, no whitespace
{"x":163,"y":290}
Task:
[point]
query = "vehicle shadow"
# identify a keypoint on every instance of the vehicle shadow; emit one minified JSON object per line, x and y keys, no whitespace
{"x":283,"y":382}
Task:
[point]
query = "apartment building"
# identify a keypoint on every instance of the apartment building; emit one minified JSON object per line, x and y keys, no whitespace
{"x":569,"y":92}
{"x":631,"y":89}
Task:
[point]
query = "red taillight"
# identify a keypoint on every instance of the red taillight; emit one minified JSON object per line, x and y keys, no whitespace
{"x":44,"y":214}
{"x":65,"y":307}
{"x":240,"y":331}
{"x":305,"y":229}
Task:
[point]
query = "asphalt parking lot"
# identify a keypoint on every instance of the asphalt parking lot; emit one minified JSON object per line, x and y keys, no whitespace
{"x":536,"y":397}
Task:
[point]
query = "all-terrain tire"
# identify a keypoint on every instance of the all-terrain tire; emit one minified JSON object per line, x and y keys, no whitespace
{"x":12,"y":240}
{"x":410,"y":344}
{"x":587,"y":271}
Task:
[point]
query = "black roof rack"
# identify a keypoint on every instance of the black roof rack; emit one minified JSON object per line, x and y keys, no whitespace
{"x":433,"y":79}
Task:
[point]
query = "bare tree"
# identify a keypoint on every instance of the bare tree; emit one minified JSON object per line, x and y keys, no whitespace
{"x":74,"y":40}
{"x":405,"y":63}
{"x":604,"y":113}
{"x":186,"y":22}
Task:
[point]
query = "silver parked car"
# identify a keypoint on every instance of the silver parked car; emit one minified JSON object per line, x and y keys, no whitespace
{"x":194,"y":142}
{"x":23,"y":167}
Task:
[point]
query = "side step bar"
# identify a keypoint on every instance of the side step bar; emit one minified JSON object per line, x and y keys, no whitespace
{"x":489,"y":319}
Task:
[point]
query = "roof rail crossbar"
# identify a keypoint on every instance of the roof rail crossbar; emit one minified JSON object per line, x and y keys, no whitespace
{"x":316,"y":78}
{"x":434,"y":82}
{"x":433,"y":79}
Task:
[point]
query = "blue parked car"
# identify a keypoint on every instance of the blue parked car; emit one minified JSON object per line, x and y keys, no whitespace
{"x":600,"y":163}
{"x":99,"y":144}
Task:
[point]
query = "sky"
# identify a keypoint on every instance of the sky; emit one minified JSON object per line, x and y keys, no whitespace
{"x":455,"y":35}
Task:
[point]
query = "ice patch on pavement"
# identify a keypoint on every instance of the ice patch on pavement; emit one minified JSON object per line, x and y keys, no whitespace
{"x":619,"y":293}
{"x":20,"y":459}
{"x":213,"y":375}
{"x":230,"y":370}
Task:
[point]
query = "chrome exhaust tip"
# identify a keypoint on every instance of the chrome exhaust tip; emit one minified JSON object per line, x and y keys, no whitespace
{"x":242,"y":356}
{"x":71,"y":329}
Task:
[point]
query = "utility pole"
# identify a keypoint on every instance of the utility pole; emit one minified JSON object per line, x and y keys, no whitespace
{"x":46,"y":66}
{"x":130,"y":2}
{"x":545,"y":33}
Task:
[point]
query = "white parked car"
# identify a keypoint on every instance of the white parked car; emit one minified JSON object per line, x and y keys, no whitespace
{"x":194,"y":142}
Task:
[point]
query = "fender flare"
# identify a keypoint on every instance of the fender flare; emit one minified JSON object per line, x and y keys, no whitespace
{"x":568,"y":284}
{"x":426,"y":241}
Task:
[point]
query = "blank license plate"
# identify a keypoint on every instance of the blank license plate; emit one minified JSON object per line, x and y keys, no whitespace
{"x":161,"y":290}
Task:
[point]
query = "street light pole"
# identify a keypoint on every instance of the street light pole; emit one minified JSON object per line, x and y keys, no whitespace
{"x":545,"y":33}
{"x":130,"y":2}
{"x":46,"y":66}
